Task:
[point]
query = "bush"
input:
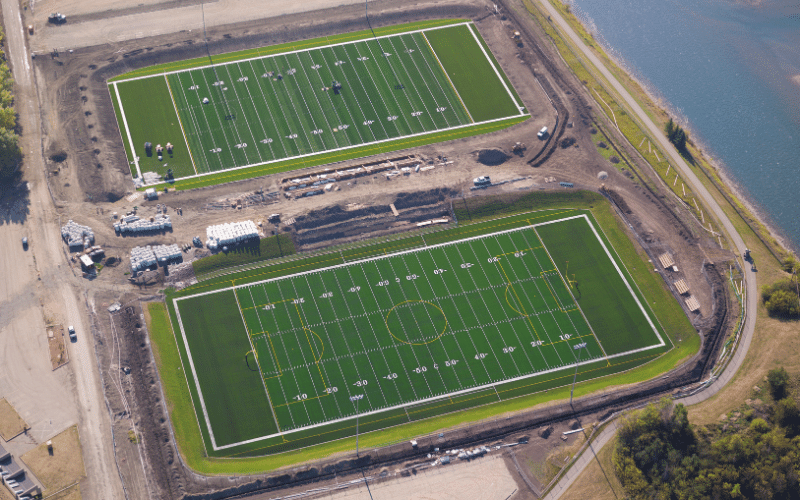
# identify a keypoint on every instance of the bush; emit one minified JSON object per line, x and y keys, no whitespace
{"x":781,"y":299}
{"x":778,"y":381}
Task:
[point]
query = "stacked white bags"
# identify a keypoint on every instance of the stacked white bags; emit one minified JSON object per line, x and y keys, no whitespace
{"x":76,"y":235}
{"x":133,"y":224}
{"x":230,"y":234}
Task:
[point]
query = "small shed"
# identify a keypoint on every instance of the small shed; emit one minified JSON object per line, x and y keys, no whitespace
{"x":682,"y":287}
{"x":87,"y":262}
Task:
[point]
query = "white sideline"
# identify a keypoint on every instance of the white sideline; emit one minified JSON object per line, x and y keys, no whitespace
{"x":127,"y":131}
{"x":433,"y":398}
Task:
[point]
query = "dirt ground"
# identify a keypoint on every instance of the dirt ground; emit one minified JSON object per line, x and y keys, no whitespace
{"x":91,"y":180}
{"x":11,"y":423}
{"x":61,"y":468}
{"x":481,"y":479}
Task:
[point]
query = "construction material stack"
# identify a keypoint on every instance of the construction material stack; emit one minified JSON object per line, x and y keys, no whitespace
{"x":229,"y":234}
{"x":167,"y":253}
{"x":76,"y":235}
{"x":133,"y":224}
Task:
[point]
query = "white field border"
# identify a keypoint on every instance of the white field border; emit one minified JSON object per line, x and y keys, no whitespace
{"x":127,"y":131}
{"x":175,"y":301}
{"x":468,"y":24}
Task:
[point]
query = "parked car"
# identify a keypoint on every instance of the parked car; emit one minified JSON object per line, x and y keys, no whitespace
{"x":72,"y":335}
{"x":25,"y":243}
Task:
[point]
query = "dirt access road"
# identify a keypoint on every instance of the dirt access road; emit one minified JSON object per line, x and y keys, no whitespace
{"x":37,"y":281}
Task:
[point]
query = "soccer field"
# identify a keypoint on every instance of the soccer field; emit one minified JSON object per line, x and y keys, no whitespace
{"x":265,"y":110}
{"x":386,"y":334}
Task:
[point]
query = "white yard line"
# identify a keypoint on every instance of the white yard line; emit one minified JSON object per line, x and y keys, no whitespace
{"x":435,"y":79}
{"x":496,"y":71}
{"x":269,"y":110}
{"x":195,"y":120}
{"x":372,"y":77}
{"x":433,"y":398}
{"x":448,"y":78}
{"x":413,"y":81}
{"x":189,"y":149}
{"x":127,"y":131}
{"x":319,"y":104}
{"x":241,"y":108}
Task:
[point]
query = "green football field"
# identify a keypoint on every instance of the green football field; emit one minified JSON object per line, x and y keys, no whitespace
{"x":384,"y":336}
{"x":298,"y":104}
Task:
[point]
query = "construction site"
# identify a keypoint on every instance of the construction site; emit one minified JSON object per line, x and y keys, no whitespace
{"x":103,"y":250}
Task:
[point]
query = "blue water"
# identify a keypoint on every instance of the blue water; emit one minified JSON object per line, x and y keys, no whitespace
{"x":730,"y":69}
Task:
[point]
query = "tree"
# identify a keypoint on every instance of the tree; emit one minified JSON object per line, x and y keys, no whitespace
{"x":778,"y":379}
{"x":10,"y":154}
{"x":787,"y":415}
{"x":8,"y":118}
{"x":676,"y":135}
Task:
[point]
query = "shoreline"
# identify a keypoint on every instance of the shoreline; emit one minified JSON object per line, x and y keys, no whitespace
{"x":652,"y":93}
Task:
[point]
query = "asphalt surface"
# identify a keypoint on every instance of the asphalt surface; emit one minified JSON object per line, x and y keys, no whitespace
{"x":751,"y":295}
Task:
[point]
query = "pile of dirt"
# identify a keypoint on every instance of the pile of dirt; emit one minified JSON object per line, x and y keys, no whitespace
{"x":493,"y":157}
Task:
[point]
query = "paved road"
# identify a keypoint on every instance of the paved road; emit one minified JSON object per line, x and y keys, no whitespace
{"x":690,"y":178}
{"x":55,"y":399}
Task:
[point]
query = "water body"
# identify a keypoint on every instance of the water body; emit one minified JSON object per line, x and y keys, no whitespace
{"x":731,"y":70}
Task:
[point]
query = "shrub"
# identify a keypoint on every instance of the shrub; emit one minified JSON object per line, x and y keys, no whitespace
{"x":781,"y":299}
{"x":778,"y":381}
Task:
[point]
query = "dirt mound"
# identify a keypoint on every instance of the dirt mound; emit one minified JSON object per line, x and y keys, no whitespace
{"x":492,"y":157}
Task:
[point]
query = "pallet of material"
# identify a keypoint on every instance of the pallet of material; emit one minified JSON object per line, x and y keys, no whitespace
{"x":682,"y":287}
{"x":666,"y":260}
{"x":692,"y":303}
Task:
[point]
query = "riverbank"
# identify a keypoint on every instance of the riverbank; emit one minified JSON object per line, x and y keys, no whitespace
{"x":712,"y":173}
{"x":658,"y":108}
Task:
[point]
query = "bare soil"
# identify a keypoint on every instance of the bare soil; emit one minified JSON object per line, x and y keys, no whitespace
{"x":56,"y":341}
{"x":11,"y":424}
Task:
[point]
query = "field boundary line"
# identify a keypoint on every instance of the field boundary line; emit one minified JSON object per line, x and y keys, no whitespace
{"x":367,"y":38}
{"x":127,"y":130}
{"x":448,"y":78}
{"x":194,"y":374}
{"x":496,"y":72}
{"x":183,"y":370}
{"x":372,"y":143}
{"x":175,"y":106}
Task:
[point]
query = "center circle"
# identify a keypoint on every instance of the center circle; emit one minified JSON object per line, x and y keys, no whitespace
{"x":416,"y":322}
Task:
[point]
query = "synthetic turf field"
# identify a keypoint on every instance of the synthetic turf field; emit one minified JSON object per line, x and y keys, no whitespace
{"x":286,"y":355}
{"x":269,"y":109}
